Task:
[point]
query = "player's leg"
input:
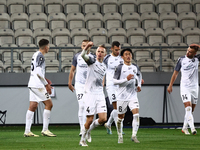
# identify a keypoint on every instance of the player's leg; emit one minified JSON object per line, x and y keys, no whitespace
{"x":194,"y":100}
{"x":121,"y":109}
{"x":30,"y":113}
{"x":134,"y":107}
{"x":81,"y":111}
{"x":113,"y":114}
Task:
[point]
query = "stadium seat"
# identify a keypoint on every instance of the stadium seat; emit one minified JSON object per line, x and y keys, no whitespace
{"x":17,"y":66}
{"x":38,"y":20}
{"x":127,"y":6}
{"x":146,"y":6}
{"x":52,"y":66}
{"x":67,"y":54}
{"x":117,"y":34}
{"x":154,"y":35}
{"x":168,"y":19}
{"x":41,"y":33}
{"x":66,"y":65}
{"x":146,"y":65}
{"x":98,"y":35}
{"x":16,"y":6}
{"x":164,"y":6}
{"x":196,"y":6}
{"x":191,"y":35}
{"x":138,"y":48}
{"x":182,"y":6}
{"x":66,"y":49}
{"x":19,"y":20}
{"x":6,"y":36}
{"x":173,"y":35}
{"x":178,"y":52}
{"x":90,"y":6}
{"x":53,"y":6}
{"x":156,"y":52}
{"x":93,"y":20}
{"x":56,"y":20}
{"x":26,"y":65}
{"x":167,"y":65}
{"x":61,"y":35}
{"x":1,"y":67}
{"x":130,"y":20}
{"x":71,"y":6}
{"x":108,"y":6}
{"x":35,"y":6}
{"x":75,"y":20}
{"x":6,"y":54}
{"x":136,"y":35}
{"x":5,"y":21}
{"x":3,"y":7}
{"x":51,"y":55}
{"x":198,"y":20}
{"x":112,"y":20}
{"x":23,"y":36}
{"x":141,"y":53}
{"x":149,"y":19}
{"x":187,"y":19}
{"x":27,"y":53}
{"x":78,"y":35}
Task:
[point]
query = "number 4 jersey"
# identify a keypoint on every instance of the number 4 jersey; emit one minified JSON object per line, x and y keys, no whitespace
{"x":37,"y":67}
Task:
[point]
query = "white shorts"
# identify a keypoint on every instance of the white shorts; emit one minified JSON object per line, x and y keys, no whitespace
{"x":111,"y":91}
{"x":94,"y":103}
{"x":38,"y":94}
{"x":79,"y":94}
{"x":122,"y":105}
{"x":189,"y":95}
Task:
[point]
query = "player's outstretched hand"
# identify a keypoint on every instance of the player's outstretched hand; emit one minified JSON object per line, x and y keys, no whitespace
{"x":89,"y":45}
{"x":138,"y":89}
{"x":130,"y":76}
{"x":48,"y":88}
{"x":71,"y":87}
{"x":169,"y":89}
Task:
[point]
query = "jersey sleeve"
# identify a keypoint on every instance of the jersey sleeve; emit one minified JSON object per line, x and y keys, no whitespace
{"x":178,"y":64}
{"x":91,"y":60}
{"x":39,"y":60}
{"x":139,"y":76}
{"x":106,"y":60}
{"x":198,"y":57}
{"x":74,"y":61}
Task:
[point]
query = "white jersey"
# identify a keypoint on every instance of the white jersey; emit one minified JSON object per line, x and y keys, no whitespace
{"x":37,"y":67}
{"x":189,"y":71}
{"x":127,"y":90}
{"x":81,"y":70}
{"x":95,"y":75}
{"x":111,"y":63}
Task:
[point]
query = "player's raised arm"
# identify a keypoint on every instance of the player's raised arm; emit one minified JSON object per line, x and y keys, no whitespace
{"x":84,"y":51}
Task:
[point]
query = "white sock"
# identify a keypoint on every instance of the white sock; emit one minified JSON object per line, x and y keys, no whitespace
{"x":94,"y":124}
{"x":185,"y":124}
{"x":46,"y":117}
{"x":115,"y":116}
{"x":111,"y":119}
{"x":84,"y":134}
{"x":119,"y":127}
{"x":189,"y":116}
{"x":135,"y":124}
{"x":81,"y":116}
{"x":29,"y":120}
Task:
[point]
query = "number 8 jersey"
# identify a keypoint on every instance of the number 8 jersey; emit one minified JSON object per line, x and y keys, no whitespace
{"x":37,"y":67}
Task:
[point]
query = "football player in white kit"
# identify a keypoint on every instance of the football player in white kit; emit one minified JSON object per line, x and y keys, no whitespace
{"x":94,"y":98}
{"x":39,"y":89}
{"x":80,"y":66}
{"x":125,"y":76}
{"x":112,"y":61}
{"x":189,"y":86}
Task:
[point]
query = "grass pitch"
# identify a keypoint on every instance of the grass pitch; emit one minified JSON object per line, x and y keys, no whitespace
{"x":11,"y":138}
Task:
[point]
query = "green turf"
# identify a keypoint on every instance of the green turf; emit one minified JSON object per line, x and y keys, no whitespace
{"x":11,"y":138}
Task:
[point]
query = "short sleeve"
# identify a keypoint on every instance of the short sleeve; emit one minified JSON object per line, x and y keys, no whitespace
{"x":39,"y":60}
{"x":178,"y":64}
{"x":74,"y":62}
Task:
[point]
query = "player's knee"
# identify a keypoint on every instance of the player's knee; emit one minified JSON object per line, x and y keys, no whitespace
{"x":102,"y":120}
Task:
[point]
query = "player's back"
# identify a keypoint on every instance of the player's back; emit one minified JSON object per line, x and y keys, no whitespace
{"x":37,"y":67}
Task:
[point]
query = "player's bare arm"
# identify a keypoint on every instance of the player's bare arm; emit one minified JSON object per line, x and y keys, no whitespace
{"x":71,"y":76}
{"x":173,"y":78}
{"x":48,"y":88}
{"x":49,"y":81}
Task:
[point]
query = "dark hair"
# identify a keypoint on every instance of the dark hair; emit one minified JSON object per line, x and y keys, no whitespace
{"x":85,"y":40}
{"x":115,"y":43}
{"x":195,"y":47}
{"x":43,"y":42}
{"x":126,"y":49}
